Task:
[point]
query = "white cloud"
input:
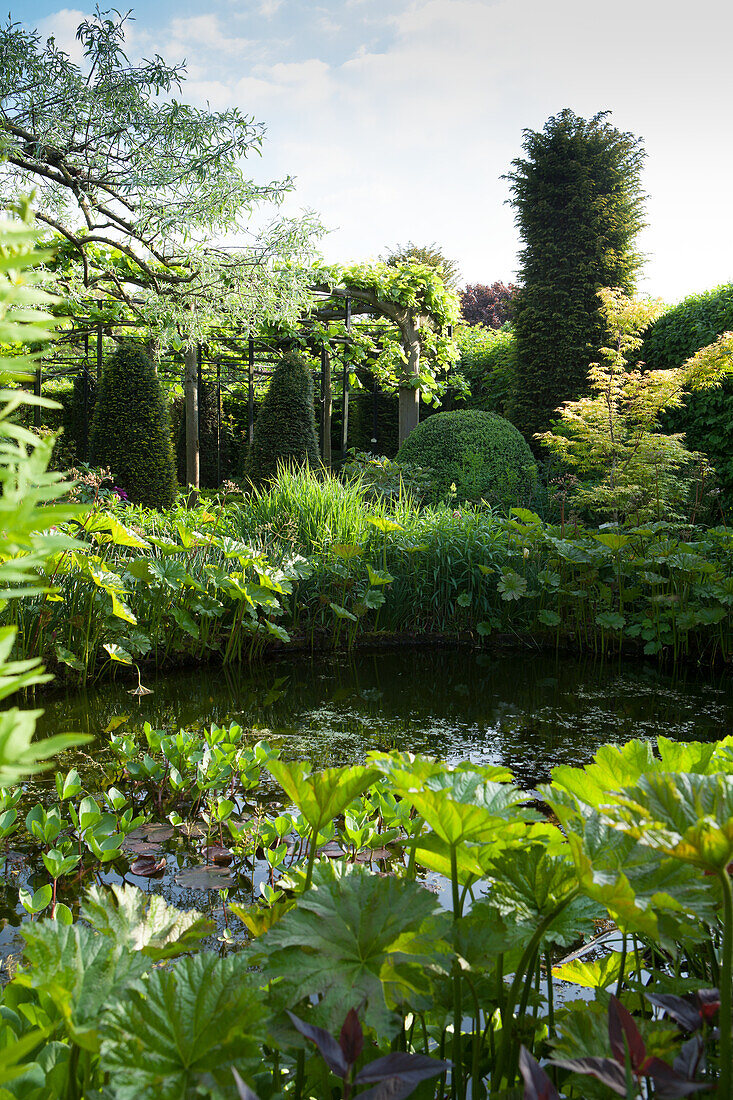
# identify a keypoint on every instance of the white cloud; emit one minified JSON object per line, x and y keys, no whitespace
{"x":61,"y":26}
{"x":203,"y":32}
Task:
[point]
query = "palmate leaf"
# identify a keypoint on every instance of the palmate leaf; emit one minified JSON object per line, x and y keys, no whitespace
{"x":463,"y":806}
{"x":144,"y":922}
{"x":81,"y":971}
{"x":686,"y":816}
{"x":356,"y":939}
{"x":642,"y":891}
{"x":530,"y":884}
{"x":321,"y":796}
{"x":597,"y":973}
{"x":192,"y":1023}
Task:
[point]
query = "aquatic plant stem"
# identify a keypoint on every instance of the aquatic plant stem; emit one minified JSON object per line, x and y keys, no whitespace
{"x":725,"y":1091}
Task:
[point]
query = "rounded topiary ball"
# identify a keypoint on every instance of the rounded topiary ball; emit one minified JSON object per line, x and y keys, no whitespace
{"x":131,"y":432}
{"x":285,"y":428}
{"x":482,"y":454}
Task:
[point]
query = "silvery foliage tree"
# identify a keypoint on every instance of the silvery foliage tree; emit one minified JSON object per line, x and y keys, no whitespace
{"x":138,"y":184}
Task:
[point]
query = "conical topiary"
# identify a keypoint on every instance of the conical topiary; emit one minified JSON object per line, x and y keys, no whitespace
{"x":285,"y":430}
{"x":131,"y":432}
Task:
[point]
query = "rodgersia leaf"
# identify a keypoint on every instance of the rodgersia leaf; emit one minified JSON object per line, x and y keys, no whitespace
{"x":81,"y":971}
{"x":144,"y":922}
{"x":355,"y":938}
{"x":193,"y":1022}
{"x":686,"y":816}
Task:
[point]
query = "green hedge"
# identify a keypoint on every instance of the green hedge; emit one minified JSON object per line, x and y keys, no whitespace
{"x":285,"y":429}
{"x":488,"y":362}
{"x":482,"y":454}
{"x":131,"y":432}
{"x":707,"y":415}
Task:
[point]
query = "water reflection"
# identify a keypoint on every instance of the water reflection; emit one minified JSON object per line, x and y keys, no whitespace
{"x":527,"y":711}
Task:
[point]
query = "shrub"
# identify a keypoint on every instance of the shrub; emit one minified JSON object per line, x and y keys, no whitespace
{"x":579,"y":206}
{"x":487,"y":305}
{"x":482,"y":454}
{"x":706,"y":417}
{"x":131,"y":432}
{"x":488,"y":362}
{"x":285,"y":430}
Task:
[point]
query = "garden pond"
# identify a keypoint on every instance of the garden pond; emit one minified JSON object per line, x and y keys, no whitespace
{"x":524,"y":711}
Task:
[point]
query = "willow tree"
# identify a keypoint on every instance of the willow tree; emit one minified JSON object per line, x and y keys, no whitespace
{"x":139,"y":184}
{"x":579,"y":207}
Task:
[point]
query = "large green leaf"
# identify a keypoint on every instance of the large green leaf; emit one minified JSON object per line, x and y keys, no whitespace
{"x":81,"y":971}
{"x":683,"y":815}
{"x":642,"y":891}
{"x":183,"y":1034}
{"x":356,"y":938}
{"x":462,"y":806}
{"x":533,"y":884}
{"x":144,"y":922}
{"x":321,"y":797}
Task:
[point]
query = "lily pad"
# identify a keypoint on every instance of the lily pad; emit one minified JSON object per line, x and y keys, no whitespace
{"x":147,"y":866}
{"x":221,"y":856}
{"x":205,"y":877}
{"x":159,"y":832}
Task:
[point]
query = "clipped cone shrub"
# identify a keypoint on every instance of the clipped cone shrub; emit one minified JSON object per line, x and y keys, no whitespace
{"x":131,"y":432}
{"x":285,"y":429}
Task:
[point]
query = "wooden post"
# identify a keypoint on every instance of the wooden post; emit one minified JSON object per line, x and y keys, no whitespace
{"x":251,"y":392}
{"x":37,"y":387}
{"x":191,"y":391}
{"x":100,"y":342}
{"x":326,"y":406}
{"x":218,"y":422}
{"x":345,"y":412}
{"x":409,"y":415}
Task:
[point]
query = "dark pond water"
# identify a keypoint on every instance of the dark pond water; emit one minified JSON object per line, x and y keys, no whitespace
{"x":525,"y":711}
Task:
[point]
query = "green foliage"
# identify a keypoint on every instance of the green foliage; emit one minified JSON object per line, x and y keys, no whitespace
{"x":178,"y":1036}
{"x":131,"y":432}
{"x":285,"y":429}
{"x":578,"y":201}
{"x":488,"y":362}
{"x":429,"y":256}
{"x":209,"y":430}
{"x":685,"y":328}
{"x":612,"y":440}
{"x":30,"y":501}
{"x":705,"y":417}
{"x":359,"y":941}
{"x":480,"y":453}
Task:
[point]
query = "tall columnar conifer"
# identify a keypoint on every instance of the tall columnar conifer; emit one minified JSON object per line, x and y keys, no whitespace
{"x":579,"y":207}
{"x":131,"y":432}
{"x":285,"y":429}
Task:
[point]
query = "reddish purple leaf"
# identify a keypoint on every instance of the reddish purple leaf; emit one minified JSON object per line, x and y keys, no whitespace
{"x":410,"y":1069}
{"x":245,"y":1092}
{"x":667,"y":1082}
{"x":537,"y":1085}
{"x":332,"y":1054}
{"x":351,"y":1039}
{"x":691,"y":1058}
{"x":621,"y":1026}
{"x":603,"y":1069}
{"x":682,"y":1011}
{"x":709,"y":1001}
{"x":147,"y":866}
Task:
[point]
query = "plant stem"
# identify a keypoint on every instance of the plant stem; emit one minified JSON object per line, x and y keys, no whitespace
{"x":725,"y":1091}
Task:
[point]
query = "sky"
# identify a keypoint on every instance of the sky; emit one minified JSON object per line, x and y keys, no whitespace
{"x":398,"y":118}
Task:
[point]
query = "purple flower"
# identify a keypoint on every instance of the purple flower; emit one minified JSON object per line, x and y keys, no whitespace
{"x":120,"y":493}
